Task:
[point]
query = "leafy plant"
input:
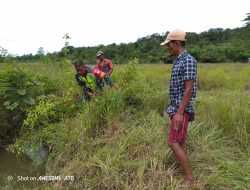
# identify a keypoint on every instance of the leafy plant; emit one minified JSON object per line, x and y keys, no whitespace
{"x":128,"y":73}
{"x":19,"y":91}
{"x":42,"y":121}
{"x":19,"y":88}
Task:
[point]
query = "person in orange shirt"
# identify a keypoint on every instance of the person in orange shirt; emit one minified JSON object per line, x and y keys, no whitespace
{"x":104,"y":64}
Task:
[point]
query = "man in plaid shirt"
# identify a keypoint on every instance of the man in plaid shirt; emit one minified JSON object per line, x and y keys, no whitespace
{"x":182,"y":93}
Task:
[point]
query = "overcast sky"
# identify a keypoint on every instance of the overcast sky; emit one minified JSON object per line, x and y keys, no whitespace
{"x":27,"y":25}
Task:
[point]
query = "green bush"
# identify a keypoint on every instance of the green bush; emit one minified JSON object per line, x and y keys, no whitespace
{"x":19,"y":90}
{"x":127,"y":73}
{"x":42,"y":119}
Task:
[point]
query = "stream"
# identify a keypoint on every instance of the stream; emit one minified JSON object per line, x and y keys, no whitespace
{"x":18,"y":172}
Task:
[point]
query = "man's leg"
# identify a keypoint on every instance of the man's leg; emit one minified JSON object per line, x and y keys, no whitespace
{"x":184,"y":147}
{"x":178,"y":145}
{"x":182,"y":158}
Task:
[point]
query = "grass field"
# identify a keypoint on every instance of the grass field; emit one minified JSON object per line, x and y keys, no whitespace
{"x":119,"y":140}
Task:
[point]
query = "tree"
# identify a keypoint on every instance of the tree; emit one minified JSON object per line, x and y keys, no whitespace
{"x":214,"y":35}
{"x":3,"y":52}
{"x":66,"y":50}
{"x":40,"y":51}
{"x":247,"y":19}
{"x":66,"y":37}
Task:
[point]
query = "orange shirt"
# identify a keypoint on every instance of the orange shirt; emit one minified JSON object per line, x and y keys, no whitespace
{"x":105,"y":65}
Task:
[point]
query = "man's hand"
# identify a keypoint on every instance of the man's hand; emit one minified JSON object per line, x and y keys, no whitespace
{"x":178,"y":121}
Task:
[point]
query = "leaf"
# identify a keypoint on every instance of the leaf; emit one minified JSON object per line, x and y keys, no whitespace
{"x":21,"y":92}
{"x":12,"y":106}
{"x":28,"y":100}
{"x":7,"y":103}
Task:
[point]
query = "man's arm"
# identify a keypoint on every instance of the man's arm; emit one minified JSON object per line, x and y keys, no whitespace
{"x":98,"y":65}
{"x":188,"y":93}
{"x":79,"y":80}
{"x":111,"y":70}
{"x":110,"y":64}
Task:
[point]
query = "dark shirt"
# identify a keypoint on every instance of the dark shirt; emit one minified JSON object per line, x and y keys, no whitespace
{"x":184,"y":68}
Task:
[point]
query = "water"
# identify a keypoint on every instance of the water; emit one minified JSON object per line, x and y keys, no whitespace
{"x":18,"y":172}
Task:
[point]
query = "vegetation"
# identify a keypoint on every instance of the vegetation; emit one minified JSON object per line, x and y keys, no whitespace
{"x":247,"y":19}
{"x":19,"y":90}
{"x":213,"y":46}
{"x":118,"y":140}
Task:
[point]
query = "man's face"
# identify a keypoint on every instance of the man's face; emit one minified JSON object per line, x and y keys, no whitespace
{"x":101,"y":57}
{"x":82,"y":70}
{"x":173,"y":48}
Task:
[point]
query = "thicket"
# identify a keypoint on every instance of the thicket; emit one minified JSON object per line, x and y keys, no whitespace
{"x":20,"y":90}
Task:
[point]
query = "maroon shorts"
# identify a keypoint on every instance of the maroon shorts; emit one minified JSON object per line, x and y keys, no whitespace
{"x":178,"y":136}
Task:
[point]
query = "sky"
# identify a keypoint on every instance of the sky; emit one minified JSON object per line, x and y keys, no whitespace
{"x":27,"y":25}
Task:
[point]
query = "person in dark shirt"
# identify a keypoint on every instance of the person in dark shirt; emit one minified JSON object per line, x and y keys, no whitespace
{"x":182,"y":93}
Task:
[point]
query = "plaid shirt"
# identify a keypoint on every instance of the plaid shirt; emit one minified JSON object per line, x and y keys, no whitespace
{"x":184,"y":68}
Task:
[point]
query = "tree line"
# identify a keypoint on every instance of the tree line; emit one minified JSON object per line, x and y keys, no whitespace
{"x":213,"y":46}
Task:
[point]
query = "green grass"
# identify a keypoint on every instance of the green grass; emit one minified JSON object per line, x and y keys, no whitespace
{"x":119,"y":140}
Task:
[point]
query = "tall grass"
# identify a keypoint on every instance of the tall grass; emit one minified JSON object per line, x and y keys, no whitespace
{"x":223,"y":76}
{"x":119,"y":140}
{"x":228,"y":111}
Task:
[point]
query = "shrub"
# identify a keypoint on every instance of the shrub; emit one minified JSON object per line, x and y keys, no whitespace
{"x":128,"y":73}
{"x":19,"y":90}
